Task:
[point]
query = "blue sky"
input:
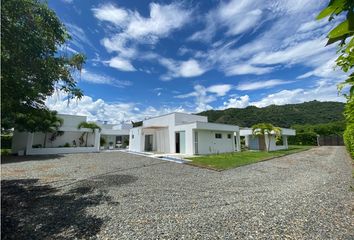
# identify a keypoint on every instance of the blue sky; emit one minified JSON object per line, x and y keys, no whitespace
{"x":149,"y":58}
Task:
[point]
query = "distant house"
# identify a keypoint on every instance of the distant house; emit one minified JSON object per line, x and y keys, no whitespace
{"x":184,"y":133}
{"x":260,"y":142}
{"x":71,"y":139}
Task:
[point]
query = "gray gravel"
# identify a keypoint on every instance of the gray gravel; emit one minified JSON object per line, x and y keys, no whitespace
{"x":122,"y":196}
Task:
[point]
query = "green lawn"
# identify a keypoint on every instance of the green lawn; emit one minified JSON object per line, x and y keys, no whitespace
{"x":231,"y":160}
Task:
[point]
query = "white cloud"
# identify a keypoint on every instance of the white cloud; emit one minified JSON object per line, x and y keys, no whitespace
{"x":101,"y":110}
{"x":121,"y":64}
{"x":247,"y":86}
{"x":237,"y":102}
{"x":220,"y":89}
{"x":324,"y":90}
{"x":132,"y":29}
{"x":189,"y":68}
{"x":96,"y":78}
{"x":79,"y":37}
{"x":242,"y":69}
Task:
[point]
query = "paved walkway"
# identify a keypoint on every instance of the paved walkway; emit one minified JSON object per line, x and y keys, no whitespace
{"x":123,"y":196}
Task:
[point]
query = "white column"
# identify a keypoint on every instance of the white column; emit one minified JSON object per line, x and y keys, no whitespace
{"x":29,"y":143}
{"x":238,"y":142}
{"x":97,"y":140}
{"x":285,"y":142}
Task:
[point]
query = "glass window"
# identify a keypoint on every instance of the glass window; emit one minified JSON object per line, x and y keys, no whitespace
{"x":229,"y":135}
{"x":218,"y":135}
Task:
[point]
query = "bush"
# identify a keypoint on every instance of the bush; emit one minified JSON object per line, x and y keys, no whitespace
{"x":349,"y":138}
{"x":66,"y":145}
{"x":6,"y":142}
{"x":305,"y":138}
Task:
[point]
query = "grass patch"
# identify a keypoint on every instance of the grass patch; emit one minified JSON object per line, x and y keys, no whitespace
{"x":232,"y":160}
{"x":5,"y":151}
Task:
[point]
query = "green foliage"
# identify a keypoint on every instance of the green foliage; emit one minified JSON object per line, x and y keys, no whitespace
{"x":89,"y":125}
{"x":6,"y":141}
{"x":349,"y":139}
{"x":137,"y":124}
{"x":102,"y":141}
{"x":324,"y":129}
{"x":313,"y":112}
{"x":32,"y":69}
{"x":344,"y":33}
{"x":303,"y":138}
{"x":67,"y":145}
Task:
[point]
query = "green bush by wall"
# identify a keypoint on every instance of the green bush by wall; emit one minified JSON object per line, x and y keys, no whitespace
{"x":6,"y":142}
{"x":349,"y":138}
{"x":305,"y":138}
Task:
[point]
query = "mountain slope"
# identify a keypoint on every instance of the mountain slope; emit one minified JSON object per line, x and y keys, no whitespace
{"x":313,"y":112}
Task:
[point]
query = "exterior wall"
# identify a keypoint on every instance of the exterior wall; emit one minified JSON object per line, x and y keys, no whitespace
{"x":189,"y":137}
{"x":208,"y":144}
{"x":135,"y":140}
{"x":68,"y":137}
{"x":253,"y":142}
{"x":19,"y":141}
{"x":72,"y":120}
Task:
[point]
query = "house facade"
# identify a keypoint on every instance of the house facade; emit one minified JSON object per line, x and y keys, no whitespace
{"x":71,"y":139}
{"x":185,"y":134}
{"x":261,"y":142}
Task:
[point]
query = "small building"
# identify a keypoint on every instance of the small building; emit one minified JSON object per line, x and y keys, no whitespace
{"x":260,"y":142}
{"x":185,"y":134}
{"x":71,"y":139}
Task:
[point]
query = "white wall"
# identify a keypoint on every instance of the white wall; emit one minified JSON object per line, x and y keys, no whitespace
{"x":208,"y":144}
{"x":19,"y":141}
{"x":183,"y":118}
{"x":72,"y":120}
{"x":68,"y":137}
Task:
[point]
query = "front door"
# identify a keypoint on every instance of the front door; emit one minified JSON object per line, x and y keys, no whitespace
{"x":148,"y":143}
{"x":177,"y":142}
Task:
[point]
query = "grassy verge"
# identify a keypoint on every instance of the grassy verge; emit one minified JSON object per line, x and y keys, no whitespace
{"x":232,"y":160}
{"x":5,"y":151}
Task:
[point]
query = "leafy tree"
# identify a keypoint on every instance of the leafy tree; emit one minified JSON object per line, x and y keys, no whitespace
{"x":343,"y":33}
{"x":263,"y":129}
{"x":32,"y":69}
{"x":89,"y":125}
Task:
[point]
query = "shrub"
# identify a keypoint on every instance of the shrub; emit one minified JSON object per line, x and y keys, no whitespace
{"x":6,"y":142}
{"x":66,"y":145}
{"x":305,"y":138}
{"x":349,"y":138}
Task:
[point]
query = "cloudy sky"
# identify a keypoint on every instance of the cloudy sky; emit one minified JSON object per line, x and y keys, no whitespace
{"x":148,"y":58}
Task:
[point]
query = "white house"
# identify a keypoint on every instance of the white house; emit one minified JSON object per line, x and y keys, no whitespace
{"x":69,"y":142}
{"x":260,"y":142}
{"x":184,"y":133}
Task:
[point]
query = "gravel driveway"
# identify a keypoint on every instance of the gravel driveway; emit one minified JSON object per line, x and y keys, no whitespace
{"x":123,"y":196}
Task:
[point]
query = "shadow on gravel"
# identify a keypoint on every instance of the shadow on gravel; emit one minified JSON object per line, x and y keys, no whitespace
{"x":33,"y":211}
{"x":16,"y":159}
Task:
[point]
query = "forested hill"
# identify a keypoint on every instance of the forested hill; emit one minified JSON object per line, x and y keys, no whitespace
{"x":313,"y":112}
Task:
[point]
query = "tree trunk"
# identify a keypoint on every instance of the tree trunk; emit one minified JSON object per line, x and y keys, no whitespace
{"x":45,"y":140}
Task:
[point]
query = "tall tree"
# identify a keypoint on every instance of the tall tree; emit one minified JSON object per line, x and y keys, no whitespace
{"x":31,"y":67}
{"x":266,"y":129}
{"x":343,"y":35}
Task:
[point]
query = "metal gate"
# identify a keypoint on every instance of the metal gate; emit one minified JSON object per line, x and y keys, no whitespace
{"x":331,"y":140}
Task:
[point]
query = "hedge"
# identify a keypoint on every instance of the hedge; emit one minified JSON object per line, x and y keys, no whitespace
{"x":349,"y":138}
{"x":6,"y":141}
{"x":306,"y":138}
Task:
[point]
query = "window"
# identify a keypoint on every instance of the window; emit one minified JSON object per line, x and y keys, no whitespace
{"x":218,"y":135}
{"x":132,"y":136}
{"x":229,"y":136}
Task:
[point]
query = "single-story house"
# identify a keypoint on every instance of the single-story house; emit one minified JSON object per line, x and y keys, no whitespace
{"x":71,"y":139}
{"x":260,"y":142}
{"x":184,"y":133}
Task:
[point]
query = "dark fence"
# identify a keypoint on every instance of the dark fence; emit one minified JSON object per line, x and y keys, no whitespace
{"x":331,"y":140}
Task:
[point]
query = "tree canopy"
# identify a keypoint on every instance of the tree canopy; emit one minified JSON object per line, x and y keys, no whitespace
{"x":32,"y":67}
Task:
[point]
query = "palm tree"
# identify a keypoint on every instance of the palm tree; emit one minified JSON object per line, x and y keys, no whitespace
{"x":263,"y":129}
{"x":50,"y":125}
{"x":90,"y":125}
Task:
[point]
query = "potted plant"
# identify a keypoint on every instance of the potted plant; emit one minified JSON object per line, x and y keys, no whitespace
{"x":102,"y":143}
{"x":110,"y":145}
